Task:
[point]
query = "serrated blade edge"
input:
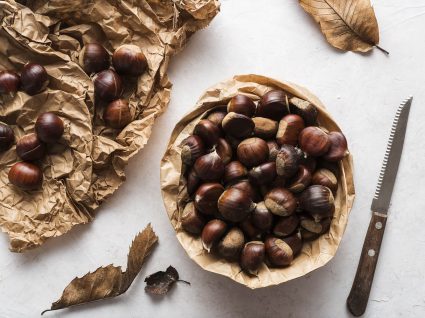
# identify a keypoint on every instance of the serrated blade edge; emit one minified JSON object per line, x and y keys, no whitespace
{"x":387,"y":176}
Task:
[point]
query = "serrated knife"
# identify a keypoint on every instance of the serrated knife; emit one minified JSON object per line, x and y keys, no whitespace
{"x":359,"y":294}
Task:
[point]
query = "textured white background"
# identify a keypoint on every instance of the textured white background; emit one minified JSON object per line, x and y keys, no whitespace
{"x":274,"y":38}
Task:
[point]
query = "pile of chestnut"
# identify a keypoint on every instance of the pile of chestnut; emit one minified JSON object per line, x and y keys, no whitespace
{"x":127,"y":60}
{"x":261,"y":179}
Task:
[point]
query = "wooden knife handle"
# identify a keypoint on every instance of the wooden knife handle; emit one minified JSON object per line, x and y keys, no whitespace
{"x":359,"y":294}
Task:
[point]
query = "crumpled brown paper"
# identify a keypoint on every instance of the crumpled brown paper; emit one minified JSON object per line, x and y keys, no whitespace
{"x":87,"y":166}
{"x":314,"y":254}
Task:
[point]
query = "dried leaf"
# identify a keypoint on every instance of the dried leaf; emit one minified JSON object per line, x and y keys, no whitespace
{"x":109,"y":281}
{"x":161,"y":282}
{"x":349,"y":25}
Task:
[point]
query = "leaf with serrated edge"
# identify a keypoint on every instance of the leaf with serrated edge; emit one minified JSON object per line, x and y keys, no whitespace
{"x":109,"y":281}
{"x":349,"y":25}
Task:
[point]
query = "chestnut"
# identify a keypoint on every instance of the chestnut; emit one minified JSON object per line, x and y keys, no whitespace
{"x":253,"y":152}
{"x":273,"y":105}
{"x":247,"y":186}
{"x":325,"y":178}
{"x":263,"y":174}
{"x":235,"y":205}
{"x":209,"y":132}
{"x":192,"y":148}
{"x":25,"y":175}
{"x":30,"y":148}
{"x":261,"y":217}
{"x":206,"y":198}
{"x":224,"y":150}
{"x":309,"y":162}
{"x":318,"y":201}
{"x":108,"y":85}
{"x":7,"y":137}
{"x":250,"y":231}
{"x":192,"y":221}
{"x":209,"y":167}
{"x":280,"y":202}
{"x":316,"y":227}
{"x":279,"y":253}
{"x":49,"y":127}
{"x":300,"y":181}
{"x":212,"y":232}
{"x":34,"y":78}
{"x":238,"y":125}
{"x":307,"y":235}
{"x":217,"y":117}
{"x":273,"y":150}
{"x":234,"y":171}
{"x":117,"y":114}
{"x":264,"y":127}
{"x":290,"y":127}
{"x":252,"y":257}
{"x":233,"y":142}
{"x":287,"y":161}
{"x":9,"y":82}
{"x":241,"y":104}
{"x":286,"y":225}
{"x":295,"y":242}
{"x":93,"y":58}
{"x":314,"y":141}
{"x":331,"y":166}
{"x":192,"y":181}
{"x":305,"y":109}
{"x":338,"y":148}
{"x":129,"y":60}
{"x":231,"y":244}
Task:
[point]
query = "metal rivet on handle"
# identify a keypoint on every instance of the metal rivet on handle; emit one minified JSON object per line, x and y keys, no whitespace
{"x":378,"y":225}
{"x":371,"y":252}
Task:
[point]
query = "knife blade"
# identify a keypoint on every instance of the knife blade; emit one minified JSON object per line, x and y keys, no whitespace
{"x":359,"y":294}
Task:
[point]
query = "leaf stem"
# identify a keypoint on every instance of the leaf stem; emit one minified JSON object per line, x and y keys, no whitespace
{"x":382,"y":50}
{"x":183,"y":281}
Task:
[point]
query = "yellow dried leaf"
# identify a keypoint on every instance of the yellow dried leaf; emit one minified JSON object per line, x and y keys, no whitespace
{"x":109,"y":281}
{"x":349,"y":25}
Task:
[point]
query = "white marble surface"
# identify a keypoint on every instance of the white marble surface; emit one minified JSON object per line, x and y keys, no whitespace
{"x":274,"y":38}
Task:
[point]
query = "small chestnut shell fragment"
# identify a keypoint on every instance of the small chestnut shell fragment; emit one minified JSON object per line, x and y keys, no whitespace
{"x":192,"y":221}
{"x":287,"y":161}
{"x":264,"y":127}
{"x":49,"y":127}
{"x":338,"y":149}
{"x":263,"y":174}
{"x":129,"y":60}
{"x":318,"y":201}
{"x":279,"y":253}
{"x":231,"y":244}
{"x":108,"y":85}
{"x":217,"y":117}
{"x":192,"y":148}
{"x":290,"y":127}
{"x":7,"y":137}
{"x":234,"y":171}
{"x":206,"y":198}
{"x":94,"y":58}
{"x":325,"y":178}
{"x":314,"y":141}
{"x":304,"y":109}
{"x":261,"y":217}
{"x":241,"y":104}
{"x":117,"y":114}
{"x":253,"y":152}
{"x":273,"y":105}
{"x":30,"y":148}
{"x":252,"y":257}
{"x":280,"y":202}
{"x":209,"y":167}
{"x":34,"y":78}
{"x":9,"y":82}
{"x":235,"y":205}
{"x":212,"y":232}
{"x":286,"y":225}
{"x":208,"y":131}
{"x":238,"y":125}
{"x":25,"y":175}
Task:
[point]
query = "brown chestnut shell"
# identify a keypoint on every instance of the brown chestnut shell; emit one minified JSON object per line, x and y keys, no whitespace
{"x":261,"y":217}
{"x":30,"y":148}
{"x":7,"y":137}
{"x":241,"y":104}
{"x":338,"y":148}
{"x":192,"y":221}
{"x":10,"y":82}
{"x":263,"y":174}
{"x":290,"y":128}
{"x":235,"y":205}
{"x":94,"y":58}
{"x":209,"y":167}
{"x":253,"y":152}
{"x":108,"y":85}
{"x":265,"y":128}
{"x":234,"y":171}
{"x":238,"y":125}
{"x":208,"y":131}
{"x":273,"y":105}
{"x":325,"y":178}
{"x":129,"y":60}
{"x":206,"y":198}
{"x":252,"y":257}
{"x":280,"y":202}
{"x":305,"y":109}
{"x":287,"y":161}
{"x":117,"y":114}
{"x":279,"y":253}
{"x":26,"y":175}
{"x":49,"y":127}
{"x":192,"y":148}
{"x":318,"y":201}
{"x":212,"y":232}
{"x":231,"y":245}
{"x":34,"y":78}
{"x":286,"y":225}
{"x":314,"y":141}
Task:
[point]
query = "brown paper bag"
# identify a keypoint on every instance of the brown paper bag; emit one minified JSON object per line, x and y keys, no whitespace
{"x":314,"y":254}
{"x":87,"y":165}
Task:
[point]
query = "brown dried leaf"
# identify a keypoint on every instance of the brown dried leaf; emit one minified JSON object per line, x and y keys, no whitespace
{"x":349,"y":25}
{"x":161,"y":282}
{"x":109,"y":281}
